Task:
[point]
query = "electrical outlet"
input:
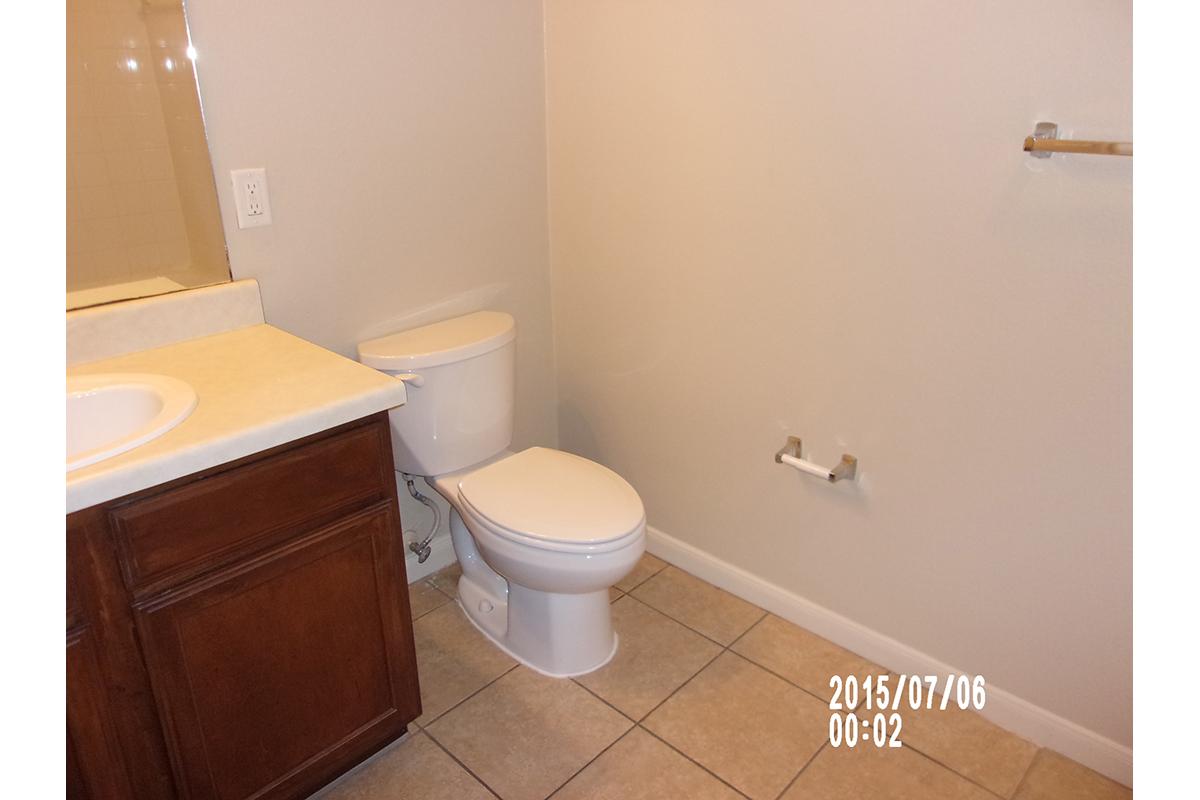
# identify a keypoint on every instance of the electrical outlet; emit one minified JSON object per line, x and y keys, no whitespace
{"x":250,"y":194}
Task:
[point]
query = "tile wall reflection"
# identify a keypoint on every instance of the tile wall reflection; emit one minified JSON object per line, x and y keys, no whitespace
{"x":140,"y":198}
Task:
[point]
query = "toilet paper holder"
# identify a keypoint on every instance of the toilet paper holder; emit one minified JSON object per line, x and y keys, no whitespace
{"x":790,"y":454}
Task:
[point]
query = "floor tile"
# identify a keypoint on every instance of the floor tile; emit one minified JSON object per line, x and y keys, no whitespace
{"x":880,"y":774}
{"x":655,"y":656}
{"x":1056,"y":777}
{"x":749,"y":716}
{"x":748,"y":726}
{"x":446,"y":579}
{"x":801,"y":657}
{"x":646,"y":568}
{"x":423,"y":597}
{"x":701,"y":606}
{"x":640,"y":767}
{"x":453,"y":660}
{"x":413,"y":768}
{"x":968,"y":744}
{"x":526,"y":734}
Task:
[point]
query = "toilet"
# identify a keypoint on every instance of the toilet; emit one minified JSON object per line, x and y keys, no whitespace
{"x":540,"y":534}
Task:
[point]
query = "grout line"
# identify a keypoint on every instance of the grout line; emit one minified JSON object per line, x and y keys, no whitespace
{"x":679,"y":688}
{"x":857,"y":710}
{"x":796,"y":777}
{"x":746,"y":632}
{"x":675,"y":749}
{"x":602,"y":700}
{"x":724,"y":649}
{"x":740,"y":636}
{"x":679,"y":621}
{"x":793,"y":684}
{"x":637,"y":723}
{"x":590,"y":761}
{"x":435,"y":608}
{"x":647,"y":578}
{"x":823,"y":700}
{"x":468,"y":770}
{"x":729,"y":648}
{"x":765,"y":613}
{"x":427,"y":723}
{"x":1029,"y":769}
{"x":952,"y":770}
{"x":427,"y":581}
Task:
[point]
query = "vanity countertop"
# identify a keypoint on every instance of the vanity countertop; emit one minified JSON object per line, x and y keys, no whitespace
{"x":257,"y":387}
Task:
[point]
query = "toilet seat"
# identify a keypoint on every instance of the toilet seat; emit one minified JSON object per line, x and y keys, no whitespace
{"x":553,"y":500}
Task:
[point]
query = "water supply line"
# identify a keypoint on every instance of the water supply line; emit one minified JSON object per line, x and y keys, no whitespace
{"x":423,"y":547}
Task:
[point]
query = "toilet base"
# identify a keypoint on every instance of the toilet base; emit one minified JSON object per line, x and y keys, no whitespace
{"x":537,"y":665}
{"x":556,"y":634}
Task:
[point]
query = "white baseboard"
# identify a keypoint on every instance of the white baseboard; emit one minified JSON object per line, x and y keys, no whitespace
{"x":1003,"y":708}
{"x":441,"y":554}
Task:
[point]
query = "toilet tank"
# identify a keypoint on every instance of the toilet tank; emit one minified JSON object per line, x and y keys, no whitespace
{"x":460,"y":404}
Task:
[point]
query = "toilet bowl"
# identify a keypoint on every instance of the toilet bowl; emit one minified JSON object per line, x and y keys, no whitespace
{"x":540,"y":534}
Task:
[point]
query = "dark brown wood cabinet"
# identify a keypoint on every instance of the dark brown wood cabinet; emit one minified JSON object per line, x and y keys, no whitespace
{"x":251,"y":633}
{"x":95,"y":768}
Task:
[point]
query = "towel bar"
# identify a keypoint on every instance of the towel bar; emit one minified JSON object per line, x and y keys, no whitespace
{"x":1045,"y":142}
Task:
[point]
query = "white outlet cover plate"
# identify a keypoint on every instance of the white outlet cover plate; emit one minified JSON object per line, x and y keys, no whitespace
{"x":252,"y":197}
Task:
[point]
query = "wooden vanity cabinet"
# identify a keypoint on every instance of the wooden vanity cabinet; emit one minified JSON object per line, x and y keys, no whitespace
{"x":250,"y":626}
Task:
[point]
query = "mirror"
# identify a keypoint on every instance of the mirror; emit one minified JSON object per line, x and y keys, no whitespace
{"x":142,"y":214}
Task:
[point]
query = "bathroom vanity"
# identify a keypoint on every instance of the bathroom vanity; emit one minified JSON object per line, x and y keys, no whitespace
{"x":246,"y":628}
{"x":237,"y":614}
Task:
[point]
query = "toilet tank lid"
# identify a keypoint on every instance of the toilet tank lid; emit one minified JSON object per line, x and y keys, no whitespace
{"x":445,"y":342}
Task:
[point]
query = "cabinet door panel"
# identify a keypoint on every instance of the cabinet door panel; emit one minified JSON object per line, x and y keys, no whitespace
{"x":275,"y":675}
{"x":115,"y":747}
{"x":95,"y":767}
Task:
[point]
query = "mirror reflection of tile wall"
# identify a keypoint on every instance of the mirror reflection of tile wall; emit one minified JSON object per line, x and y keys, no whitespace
{"x":142,"y":213}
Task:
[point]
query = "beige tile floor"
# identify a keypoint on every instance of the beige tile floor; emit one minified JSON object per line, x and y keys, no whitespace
{"x":708,"y":697}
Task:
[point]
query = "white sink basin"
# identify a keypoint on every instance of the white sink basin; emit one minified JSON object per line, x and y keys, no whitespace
{"x":111,"y":413}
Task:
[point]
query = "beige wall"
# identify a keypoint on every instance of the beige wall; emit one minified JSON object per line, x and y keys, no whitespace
{"x":774,"y":218}
{"x":767,"y":218}
{"x":404,"y":144}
